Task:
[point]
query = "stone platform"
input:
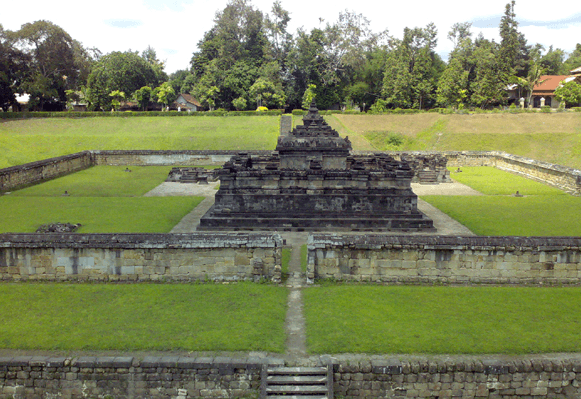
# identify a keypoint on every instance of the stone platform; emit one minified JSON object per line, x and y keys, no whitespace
{"x":311,"y":182}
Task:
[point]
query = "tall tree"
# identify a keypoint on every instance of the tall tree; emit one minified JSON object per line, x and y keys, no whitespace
{"x":412,"y":69}
{"x":54,"y":63}
{"x":126,"y":72}
{"x":13,"y":69}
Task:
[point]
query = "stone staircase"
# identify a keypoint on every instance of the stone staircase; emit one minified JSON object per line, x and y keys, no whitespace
{"x":297,"y":383}
{"x":428,"y":177}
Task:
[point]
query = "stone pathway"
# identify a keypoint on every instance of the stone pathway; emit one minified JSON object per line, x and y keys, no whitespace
{"x":296,"y":342}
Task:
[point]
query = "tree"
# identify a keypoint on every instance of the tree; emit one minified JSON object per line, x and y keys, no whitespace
{"x":13,"y":69}
{"x":513,"y":52}
{"x":552,"y":61}
{"x":239,"y":103}
{"x":459,"y":32}
{"x":573,"y":61}
{"x":164,"y":94}
{"x":267,"y":94}
{"x":412,"y":69}
{"x":126,"y":72}
{"x":569,"y":93}
{"x":116,"y":97}
{"x":143,"y":97}
{"x":150,"y":56}
{"x":531,"y":80}
{"x":309,"y":96}
{"x":53,"y":63}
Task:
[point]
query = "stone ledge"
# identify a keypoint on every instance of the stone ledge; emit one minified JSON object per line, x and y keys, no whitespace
{"x":141,"y":241}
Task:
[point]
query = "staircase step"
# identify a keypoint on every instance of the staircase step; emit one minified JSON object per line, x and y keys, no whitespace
{"x":296,"y":397}
{"x":296,"y":380}
{"x":297,"y":390}
{"x":297,"y":371}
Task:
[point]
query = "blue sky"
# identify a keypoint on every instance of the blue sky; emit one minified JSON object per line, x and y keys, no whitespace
{"x":174,"y":27}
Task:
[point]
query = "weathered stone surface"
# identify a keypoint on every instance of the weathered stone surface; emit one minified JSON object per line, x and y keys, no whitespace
{"x":312,"y":183}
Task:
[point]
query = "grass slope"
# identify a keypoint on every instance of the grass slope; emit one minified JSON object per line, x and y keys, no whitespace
{"x":553,"y":138}
{"x":543,"y":211}
{"x":208,"y":317}
{"x":442,"y":320}
{"x":104,"y":199}
{"x":31,"y":140}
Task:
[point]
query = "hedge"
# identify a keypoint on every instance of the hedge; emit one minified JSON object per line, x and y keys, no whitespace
{"x":128,"y":114}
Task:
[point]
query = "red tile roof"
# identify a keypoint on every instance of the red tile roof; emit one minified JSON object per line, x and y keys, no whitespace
{"x":549,"y":83}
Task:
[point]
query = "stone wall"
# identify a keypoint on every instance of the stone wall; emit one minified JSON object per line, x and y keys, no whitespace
{"x":154,"y":377}
{"x":139,"y":257}
{"x":181,"y":158}
{"x":25,"y":377}
{"x":562,"y":177}
{"x":445,"y":259}
{"x":37,"y":172}
{"x":451,"y":377}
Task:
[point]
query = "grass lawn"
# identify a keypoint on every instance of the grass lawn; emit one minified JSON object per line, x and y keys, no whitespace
{"x":25,"y":141}
{"x":442,"y":320}
{"x":193,"y":317}
{"x":543,"y":211}
{"x":552,"y":138}
{"x":104,"y":199}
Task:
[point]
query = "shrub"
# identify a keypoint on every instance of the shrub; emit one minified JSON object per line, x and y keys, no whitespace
{"x":546,"y":109}
{"x":299,"y":112}
{"x":576,"y":109}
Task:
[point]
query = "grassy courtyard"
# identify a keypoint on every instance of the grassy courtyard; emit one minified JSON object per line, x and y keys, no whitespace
{"x":542,"y":211}
{"x":450,"y":320}
{"x":104,"y":199}
{"x":201,"y":317}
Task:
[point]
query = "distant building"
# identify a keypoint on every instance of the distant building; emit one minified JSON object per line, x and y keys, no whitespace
{"x":187,"y":103}
{"x":547,"y":86}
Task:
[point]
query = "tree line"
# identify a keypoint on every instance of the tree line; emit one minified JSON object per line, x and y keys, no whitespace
{"x":250,"y":59}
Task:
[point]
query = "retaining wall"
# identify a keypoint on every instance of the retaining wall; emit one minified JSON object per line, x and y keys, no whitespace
{"x":139,"y":257}
{"x":37,"y":172}
{"x":180,"y":158}
{"x":445,"y":259}
{"x":175,"y":377}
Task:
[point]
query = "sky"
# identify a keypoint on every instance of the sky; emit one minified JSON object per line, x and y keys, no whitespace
{"x":174,"y":27}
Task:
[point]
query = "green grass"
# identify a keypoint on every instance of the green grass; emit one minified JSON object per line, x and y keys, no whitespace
{"x":104,"y":199}
{"x":492,"y":181}
{"x":32,"y":140}
{"x":442,"y":320}
{"x":543,"y":211}
{"x":101,"y":181}
{"x":96,"y":214}
{"x":206,"y":317}
{"x":285,"y":259}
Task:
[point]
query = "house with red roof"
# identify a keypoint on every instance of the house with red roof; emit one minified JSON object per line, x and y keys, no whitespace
{"x":544,"y":91}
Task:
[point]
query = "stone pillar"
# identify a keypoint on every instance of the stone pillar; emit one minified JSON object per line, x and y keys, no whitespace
{"x":522,"y":102}
{"x":542,"y":102}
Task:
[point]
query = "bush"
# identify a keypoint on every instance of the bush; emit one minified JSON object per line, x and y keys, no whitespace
{"x":576,"y":109}
{"x":299,"y":112}
{"x":546,"y":109}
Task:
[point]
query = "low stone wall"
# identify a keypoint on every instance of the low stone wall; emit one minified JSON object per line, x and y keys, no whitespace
{"x":37,"y":172}
{"x":444,"y":259}
{"x":154,"y":377}
{"x":562,"y":177}
{"x":181,"y":158}
{"x":518,"y":378}
{"x":139,"y":257}
{"x":25,"y":377}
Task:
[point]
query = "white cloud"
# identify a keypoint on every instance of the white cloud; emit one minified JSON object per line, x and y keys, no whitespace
{"x":174,"y":27}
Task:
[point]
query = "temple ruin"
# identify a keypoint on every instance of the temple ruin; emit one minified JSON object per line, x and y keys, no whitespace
{"x":312,"y":182}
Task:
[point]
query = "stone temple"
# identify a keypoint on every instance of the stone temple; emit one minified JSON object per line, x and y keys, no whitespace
{"x":312,"y":182}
